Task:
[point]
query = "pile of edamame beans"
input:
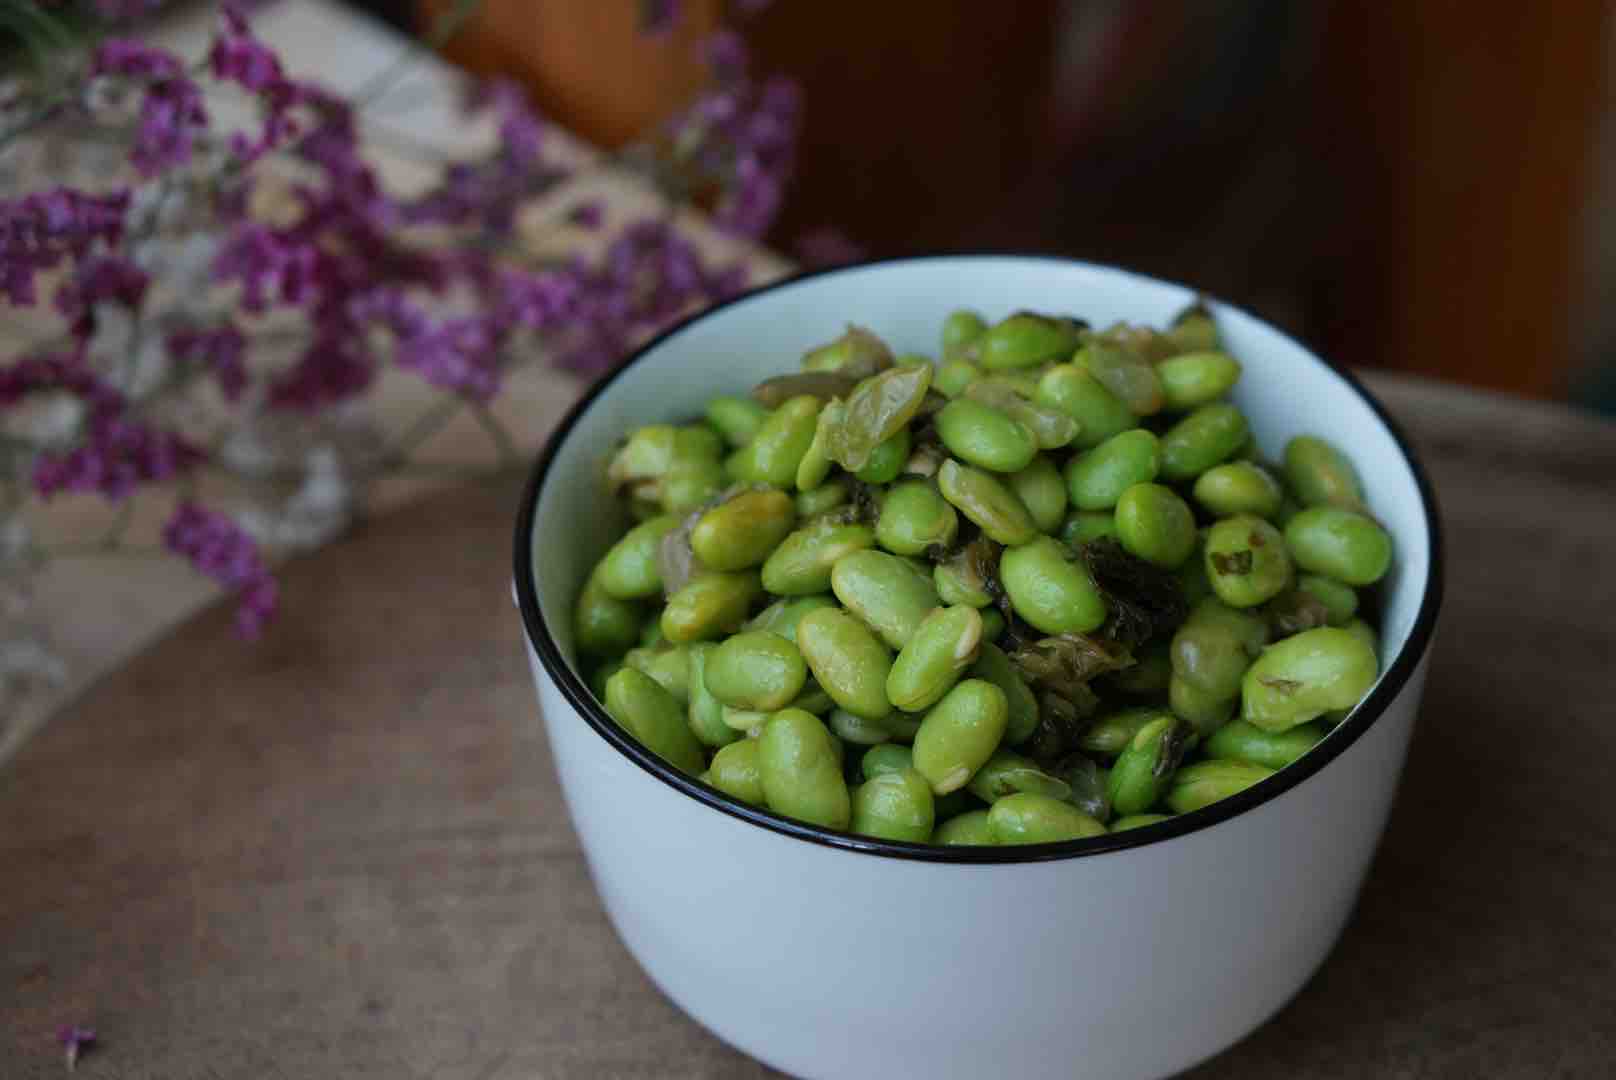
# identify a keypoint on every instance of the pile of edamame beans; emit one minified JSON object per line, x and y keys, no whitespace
{"x":1039,"y":588}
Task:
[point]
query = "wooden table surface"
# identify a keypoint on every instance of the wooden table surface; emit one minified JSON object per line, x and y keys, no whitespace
{"x":342,"y":853}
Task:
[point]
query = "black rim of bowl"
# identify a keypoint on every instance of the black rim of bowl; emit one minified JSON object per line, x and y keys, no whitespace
{"x":593,"y":713}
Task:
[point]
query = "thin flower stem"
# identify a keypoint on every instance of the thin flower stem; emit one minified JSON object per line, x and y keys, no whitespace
{"x":120,"y":525}
{"x":504,"y":443}
{"x":424,"y":427}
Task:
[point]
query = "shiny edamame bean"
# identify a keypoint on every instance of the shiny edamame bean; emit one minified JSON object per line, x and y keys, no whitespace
{"x":1305,"y":676}
{"x":991,"y":505}
{"x":1239,"y":487}
{"x":1110,"y":734}
{"x":1240,"y":741}
{"x":993,"y":624}
{"x":1039,"y":819}
{"x":1146,"y":766}
{"x":887,"y":459}
{"x":1096,"y":479}
{"x":995,"y":667}
{"x":824,"y":498}
{"x":1156,"y":525}
{"x":1050,"y":589}
{"x":1209,"y":435}
{"x":1246,"y":561}
{"x":885,"y":593}
{"x":970,"y":829}
{"x":814,"y":467}
{"x":801,"y":771}
{"x":1212,"y":649}
{"x":629,"y":569}
{"x":1147,"y":676}
{"x":669,"y":666}
{"x":736,"y":418}
{"x":985,"y":437}
{"x":1137,"y":821}
{"x":1339,"y":600}
{"x":782,"y":616}
{"x":777,"y":448}
{"x":1341,"y":544}
{"x":1083,"y":526}
{"x":1205,"y":782}
{"x":1192,"y":379}
{"x":857,"y":730}
{"x":802,"y":564}
{"x":710,"y":605}
{"x":914,"y":518}
{"x":741,"y":532}
{"x":847,"y":660}
{"x":954,"y":376}
{"x":1023,"y":340}
{"x":1130,"y":379}
{"x":1008,"y":772}
{"x":1098,"y":412}
{"x":1043,"y":492}
{"x":959,"y":734}
{"x":960,"y":329}
{"x":1321,"y":475}
{"x":603,"y":625}
{"x":656,"y":720}
{"x":1196,"y":707}
{"x":737,"y":773}
{"x":756,"y":669}
{"x":931,"y":661}
{"x":689,"y":484}
{"x":704,"y":712}
{"x":894,"y":806}
{"x":886,"y":758}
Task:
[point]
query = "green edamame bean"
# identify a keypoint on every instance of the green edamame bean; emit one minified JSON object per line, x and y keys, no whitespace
{"x":710,"y":605}
{"x":1340,"y":544}
{"x":1246,"y":561}
{"x":1050,"y":589}
{"x":743,"y":531}
{"x":802,"y":564}
{"x":1025,"y":339}
{"x":1364,"y":633}
{"x":894,"y":806}
{"x":915,"y":517}
{"x":886,"y":758}
{"x":1339,"y":600}
{"x":1191,"y":573}
{"x":959,"y":734}
{"x":1039,"y":819}
{"x":993,"y":624}
{"x":1130,"y":379}
{"x":689,"y":484}
{"x":801,"y":772}
{"x":885,"y":593}
{"x":820,"y":500}
{"x":960,"y":329}
{"x":651,"y":635}
{"x":1021,"y":719}
{"x":1194,"y":329}
{"x":1212,"y":649}
{"x":877,"y":409}
{"x":1096,"y":479}
{"x":931,"y":661}
{"x":756,"y":670}
{"x":1207,"y":436}
{"x":1156,"y":525}
{"x":1012,"y":395}
{"x":857,"y":730}
{"x":970,"y":829}
{"x":670,"y":667}
{"x":1198,"y":708}
{"x":1238,"y":487}
{"x":1008,"y":772}
{"x":1137,"y":821}
{"x":1192,"y":379}
{"x":782,"y":616}
{"x":603,"y":625}
{"x":1240,"y":741}
{"x":1321,"y":475}
{"x":847,"y":660}
{"x":746,"y":721}
{"x":778,"y":446}
{"x":985,"y":437}
{"x":1147,"y":676}
{"x":1084,"y":526}
{"x":857,"y":353}
{"x":649,"y":713}
{"x":903,"y":726}
{"x":887,"y":459}
{"x":1205,"y":782}
{"x":1098,"y":412}
{"x":704,"y":712}
{"x":815,"y":465}
{"x":1146,"y":766}
{"x":737,"y":773}
{"x":1305,"y":676}
{"x":598,"y":676}
{"x":813,"y":699}
{"x":992,"y":506}
{"x":954,"y":376}
{"x":736,"y":418}
{"x":1110,"y":734}
{"x":1249,"y":627}
{"x":1042,"y":491}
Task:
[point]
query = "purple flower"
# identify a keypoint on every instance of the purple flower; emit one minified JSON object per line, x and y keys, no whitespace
{"x":659,"y":17}
{"x":101,"y":279}
{"x":76,"y":1042}
{"x":726,"y":53}
{"x":38,"y":231}
{"x":827,"y":246}
{"x":117,"y":456}
{"x":124,"y":10}
{"x":587,"y":215}
{"x":221,"y":348}
{"x":222,"y":550}
{"x":270,"y":266}
{"x":239,"y":57}
{"x":171,"y":111}
{"x":335,"y":367}
{"x":54,"y":371}
{"x":459,"y":354}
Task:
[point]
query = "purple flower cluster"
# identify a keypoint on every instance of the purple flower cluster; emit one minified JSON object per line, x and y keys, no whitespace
{"x":744,"y":133}
{"x":221,"y":348}
{"x":118,"y":455}
{"x":219,"y":548}
{"x":99,"y":279}
{"x":171,"y":112}
{"x":39,"y":231}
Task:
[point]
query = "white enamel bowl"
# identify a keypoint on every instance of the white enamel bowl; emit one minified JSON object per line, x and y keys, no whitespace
{"x":828,"y":955}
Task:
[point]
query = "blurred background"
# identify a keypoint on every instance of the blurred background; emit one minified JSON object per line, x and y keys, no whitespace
{"x":1419,"y":186}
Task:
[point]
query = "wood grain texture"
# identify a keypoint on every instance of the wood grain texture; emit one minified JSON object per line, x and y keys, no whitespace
{"x":342,"y":853}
